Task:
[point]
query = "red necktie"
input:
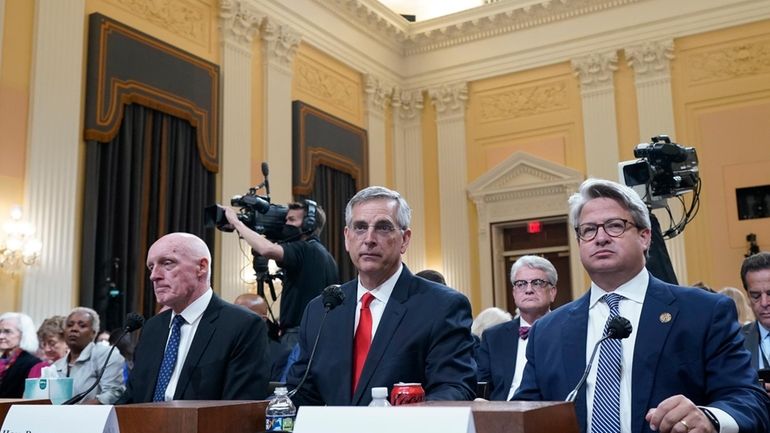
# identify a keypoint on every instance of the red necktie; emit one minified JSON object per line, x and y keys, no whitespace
{"x":363,"y":338}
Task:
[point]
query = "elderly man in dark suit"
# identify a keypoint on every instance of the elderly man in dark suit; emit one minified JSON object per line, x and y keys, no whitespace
{"x":392,"y":326}
{"x":201,"y":348}
{"x":755,"y":275}
{"x":501,"y":357}
{"x":683,"y":368}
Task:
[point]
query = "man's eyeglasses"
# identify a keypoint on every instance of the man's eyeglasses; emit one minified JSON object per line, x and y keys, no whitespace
{"x":381,"y":229}
{"x":613,"y":227}
{"x":537,"y":284}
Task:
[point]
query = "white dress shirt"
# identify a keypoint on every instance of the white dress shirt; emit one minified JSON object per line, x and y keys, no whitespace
{"x":381,"y":295}
{"x":521,"y":361}
{"x":192,"y":316}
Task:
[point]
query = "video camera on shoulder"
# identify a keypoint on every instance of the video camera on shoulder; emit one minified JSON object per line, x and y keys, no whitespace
{"x":256,"y":212}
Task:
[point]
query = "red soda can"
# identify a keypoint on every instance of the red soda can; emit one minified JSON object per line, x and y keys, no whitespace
{"x":406,"y":393}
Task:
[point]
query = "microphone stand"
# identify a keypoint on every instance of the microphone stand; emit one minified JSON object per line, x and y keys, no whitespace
{"x":312,"y":353}
{"x":573,"y":395}
{"x":76,"y":399}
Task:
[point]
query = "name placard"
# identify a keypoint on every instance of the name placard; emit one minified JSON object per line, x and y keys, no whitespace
{"x":29,"y":418}
{"x":338,"y":419}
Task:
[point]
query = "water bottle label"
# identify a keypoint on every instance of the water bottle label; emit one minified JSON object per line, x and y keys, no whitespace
{"x":277,"y":422}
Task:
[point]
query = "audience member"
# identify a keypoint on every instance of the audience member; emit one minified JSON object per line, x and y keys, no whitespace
{"x":502,"y":355}
{"x":279,"y":355}
{"x":103,"y":338}
{"x":755,"y":275}
{"x":431,"y":275}
{"x":125,"y":346}
{"x":202,"y":348}
{"x":18,"y":343}
{"x":488,"y":318}
{"x":52,"y":346}
{"x":684,"y":360}
{"x":86,"y":358}
{"x":407,"y":329}
{"x":745,"y":315}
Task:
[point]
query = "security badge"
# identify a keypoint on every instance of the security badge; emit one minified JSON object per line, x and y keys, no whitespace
{"x":665,"y":317}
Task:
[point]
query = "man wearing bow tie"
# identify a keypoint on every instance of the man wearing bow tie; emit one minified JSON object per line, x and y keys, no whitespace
{"x":502,"y":357}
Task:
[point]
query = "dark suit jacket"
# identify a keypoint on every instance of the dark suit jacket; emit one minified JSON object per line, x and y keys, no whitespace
{"x":497,"y":358}
{"x":12,"y":385}
{"x":228,"y":357}
{"x":751,"y":342}
{"x":698,"y":353}
{"x":424,"y":336}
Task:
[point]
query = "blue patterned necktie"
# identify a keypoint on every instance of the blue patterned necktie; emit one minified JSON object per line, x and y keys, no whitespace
{"x":169,"y":359}
{"x":606,"y":410}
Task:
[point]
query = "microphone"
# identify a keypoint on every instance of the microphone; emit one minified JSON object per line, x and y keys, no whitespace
{"x":265,"y":172}
{"x":618,"y":328}
{"x":133,"y":322}
{"x":332,"y":297}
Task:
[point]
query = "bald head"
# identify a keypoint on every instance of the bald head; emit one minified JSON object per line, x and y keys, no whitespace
{"x":254,"y":303}
{"x":179,"y":265}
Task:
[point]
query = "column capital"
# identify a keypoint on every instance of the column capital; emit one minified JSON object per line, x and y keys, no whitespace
{"x":449,"y":99}
{"x":595,"y":70}
{"x":281,"y":43}
{"x":377,"y":93}
{"x":408,"y":102}
{"x":651,"y":59}
{"x":238,"y":23}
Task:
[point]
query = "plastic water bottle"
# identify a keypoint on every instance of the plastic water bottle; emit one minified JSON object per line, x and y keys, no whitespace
{"x":280,"y":413}
{"x":379,"y":397}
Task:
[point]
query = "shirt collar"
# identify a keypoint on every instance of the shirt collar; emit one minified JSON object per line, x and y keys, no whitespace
{"x":523,"y":323}
{"x":383,"y":291}
{"x":195,"y":310}
{"x":633,"y":289}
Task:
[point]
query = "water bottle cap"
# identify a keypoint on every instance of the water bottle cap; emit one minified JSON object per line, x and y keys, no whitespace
{"x":380,"y":392}
{"x":281,"y":390}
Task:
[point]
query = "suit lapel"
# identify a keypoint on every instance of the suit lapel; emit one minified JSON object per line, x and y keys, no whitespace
{"x":659,"y":314}
{"x":752,"y":338}
{"x":508,"y":353}
{"x":156,"y":346}
{"x":391,"y":317}
{"x":200,"y":342}
{"x":574,"y":354}
{"x":340,"y":341}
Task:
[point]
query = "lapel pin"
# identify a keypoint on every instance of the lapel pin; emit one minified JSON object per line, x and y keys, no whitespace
{"x":665,"y":317}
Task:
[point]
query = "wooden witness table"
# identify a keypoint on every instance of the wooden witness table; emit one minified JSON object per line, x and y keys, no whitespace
{"x":518,"y":416}
{"x":192,"y":416}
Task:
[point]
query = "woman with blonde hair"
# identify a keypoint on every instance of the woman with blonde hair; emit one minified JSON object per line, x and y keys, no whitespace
{"x":745,"y":314}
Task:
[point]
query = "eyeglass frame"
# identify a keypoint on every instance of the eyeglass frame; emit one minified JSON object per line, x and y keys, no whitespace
{"x":604,"y":227}
{"x":531,"y":283}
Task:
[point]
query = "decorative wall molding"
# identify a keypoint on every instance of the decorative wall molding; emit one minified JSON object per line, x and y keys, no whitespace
{"x":595,"y":70}
{"x":238,"y":22}
{"x":523,"y":101}
{"x":188,"y":19}
{"x":409,"y":103}
{"x":281,"y":43}
{"x":449,"y":99}
{"x":742,"y":59}
{"x":378,"y":93}
{"x":651,"y":59}
{"x":326,"y":85}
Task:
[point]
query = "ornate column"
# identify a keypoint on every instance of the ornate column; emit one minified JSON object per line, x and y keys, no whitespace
{"x":279,"y":44}
{"x":600,"y":131}
{"x":53,"y":169}
{"x":450,"y":101}
{"x":651,"y":62}
{"x":407,"y":140}
{"x":377,"y":95}
{"x":238,"y":25}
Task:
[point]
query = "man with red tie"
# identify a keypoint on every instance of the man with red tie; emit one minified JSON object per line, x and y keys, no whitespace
{"x":502,"y":355}
{"x":392,"y":326}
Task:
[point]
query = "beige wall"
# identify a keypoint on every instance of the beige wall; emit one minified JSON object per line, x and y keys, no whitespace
{"x":721,"y":83}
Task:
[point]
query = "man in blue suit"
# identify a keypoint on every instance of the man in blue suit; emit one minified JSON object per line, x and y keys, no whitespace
{"x":392,"y":326}
{"x":682,"y":369}
{"x":755,"y":275}
{"x":501,"y":357}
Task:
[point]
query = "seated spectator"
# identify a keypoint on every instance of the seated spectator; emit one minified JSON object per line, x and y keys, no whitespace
{"x":279,"y":354}
{"x":50,"y":334}
{"x":85,"y":359}
{"x":103,"y":338}
{"x":745,"y":315}
{"x":18,"y":342}
{"x":431,"y":275}
{"x":126,"y":348}
{"x":488,"y":318}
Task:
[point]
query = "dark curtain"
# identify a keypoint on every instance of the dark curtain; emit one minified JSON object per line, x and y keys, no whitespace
{"x":147,"y":182}
{"x":332,"y":189}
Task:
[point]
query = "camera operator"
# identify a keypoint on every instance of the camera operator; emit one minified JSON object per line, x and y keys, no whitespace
{"x":308,"y":266}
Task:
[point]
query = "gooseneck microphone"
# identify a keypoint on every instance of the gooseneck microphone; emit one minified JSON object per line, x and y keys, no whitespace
{"x":332,"y":297}
{"x":265,"y":173}
{"x":133,"y":322}
{"x":617,"y":328}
